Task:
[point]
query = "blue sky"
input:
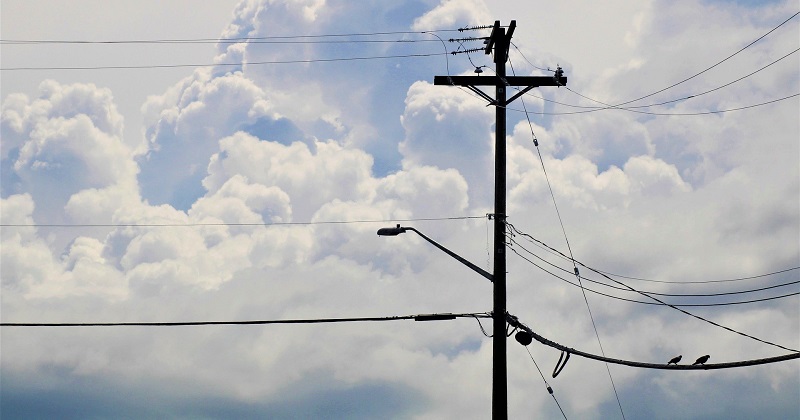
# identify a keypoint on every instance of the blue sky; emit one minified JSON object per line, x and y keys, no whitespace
{"x":248,"y":164}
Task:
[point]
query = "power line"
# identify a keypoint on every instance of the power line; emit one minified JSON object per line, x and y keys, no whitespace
{"x":254,"y":63}
{"x":634,"y":108}
{"x":264,"y":224}
{"x":678,"y":114}
{"x":419,"y":317}
{"x":566,"y":239}
{"x":753,"y":290}
{"x":714,"y":65}
{"x":547,"y":385}
{"x":207,"y":40}
{"x":685,"y":305}
{"x":707,"y":366}
{"x":703,"y":281}
{"x":559,"y":254}
{"x":676,"y":306}
{"x":219,"y":41}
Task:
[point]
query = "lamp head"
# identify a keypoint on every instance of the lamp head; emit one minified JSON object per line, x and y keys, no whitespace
{"x":393,"y":231}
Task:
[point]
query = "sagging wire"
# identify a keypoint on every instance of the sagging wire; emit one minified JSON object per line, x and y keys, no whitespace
{"x":483,"y":330}
{"x":557,"y":253}
{"x":526,"y":336}
{"x":514,"y":243}
{"x":661,"y":301}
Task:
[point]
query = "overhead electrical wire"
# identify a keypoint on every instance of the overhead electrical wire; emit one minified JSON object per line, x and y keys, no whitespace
{"x":566,"y":239}
{"x":635,"y":108}
{"x":264,"y":224}
{"x":631,"y":109}
{"x":681,"y":305}
{"x":253,"y":63}
{"x":703,"y":281}
{"x":752,"y":290}
{"x":559,"y":254}
{"x":679,"y":114}
{"x":547,"y":385}
{"x":294,"y":39}
{"x":266,"y":40}
{"x":677,"y":308}
{"x":419,"y":317}
{"x":712,"y":66}
{"x":631,"y":363}
{"x":233,"y":39}
{"x":620,"y":106}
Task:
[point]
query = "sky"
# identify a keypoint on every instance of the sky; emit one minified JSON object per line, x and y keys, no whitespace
{"x":244,"y":178}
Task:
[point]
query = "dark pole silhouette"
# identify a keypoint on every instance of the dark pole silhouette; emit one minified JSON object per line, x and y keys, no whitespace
{"x":499,"y":42}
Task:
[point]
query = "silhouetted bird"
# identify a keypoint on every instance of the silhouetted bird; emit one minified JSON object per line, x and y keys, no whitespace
{"x":675,"y":360}
{"x":702,"y":360}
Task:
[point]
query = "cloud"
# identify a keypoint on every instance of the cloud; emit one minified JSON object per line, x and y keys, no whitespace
{"x":186,"y":123}
{"x":65,"y":150}
{"x":262,"y":187}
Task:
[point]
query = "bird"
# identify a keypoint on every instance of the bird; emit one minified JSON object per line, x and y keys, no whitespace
{"x":675,"y":360}
{"x":701,"y":360}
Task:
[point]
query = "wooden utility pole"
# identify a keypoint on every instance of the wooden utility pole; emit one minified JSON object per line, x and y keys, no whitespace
{"x":500,"y":41}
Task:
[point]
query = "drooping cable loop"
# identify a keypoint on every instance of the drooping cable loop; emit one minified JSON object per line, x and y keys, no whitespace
{"x":560,"y":366}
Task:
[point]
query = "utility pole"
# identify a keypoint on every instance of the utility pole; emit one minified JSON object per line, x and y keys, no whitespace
{"x":500,"y":41}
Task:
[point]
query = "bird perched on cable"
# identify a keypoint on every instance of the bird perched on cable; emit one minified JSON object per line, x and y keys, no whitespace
{"x":675,"y":360}
{"x":701,"y":360}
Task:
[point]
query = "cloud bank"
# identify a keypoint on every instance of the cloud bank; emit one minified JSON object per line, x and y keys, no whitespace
{"x":230,"y":206}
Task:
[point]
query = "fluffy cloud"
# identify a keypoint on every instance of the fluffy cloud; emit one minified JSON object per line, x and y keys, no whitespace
{"x":262,"y":187}
{"x":70,"y":133}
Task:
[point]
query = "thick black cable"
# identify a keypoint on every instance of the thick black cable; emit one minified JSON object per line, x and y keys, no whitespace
{"x":420,"y":317}
{"x":676,"y":306}
{"x":706,"y":366}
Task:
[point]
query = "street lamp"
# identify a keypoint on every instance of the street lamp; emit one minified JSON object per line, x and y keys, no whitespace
{"x":499,"y":384}
{"x":394,"y":231}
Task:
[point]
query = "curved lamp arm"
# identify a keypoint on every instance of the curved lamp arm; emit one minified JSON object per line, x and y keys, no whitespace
{"x":398,"y":230}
